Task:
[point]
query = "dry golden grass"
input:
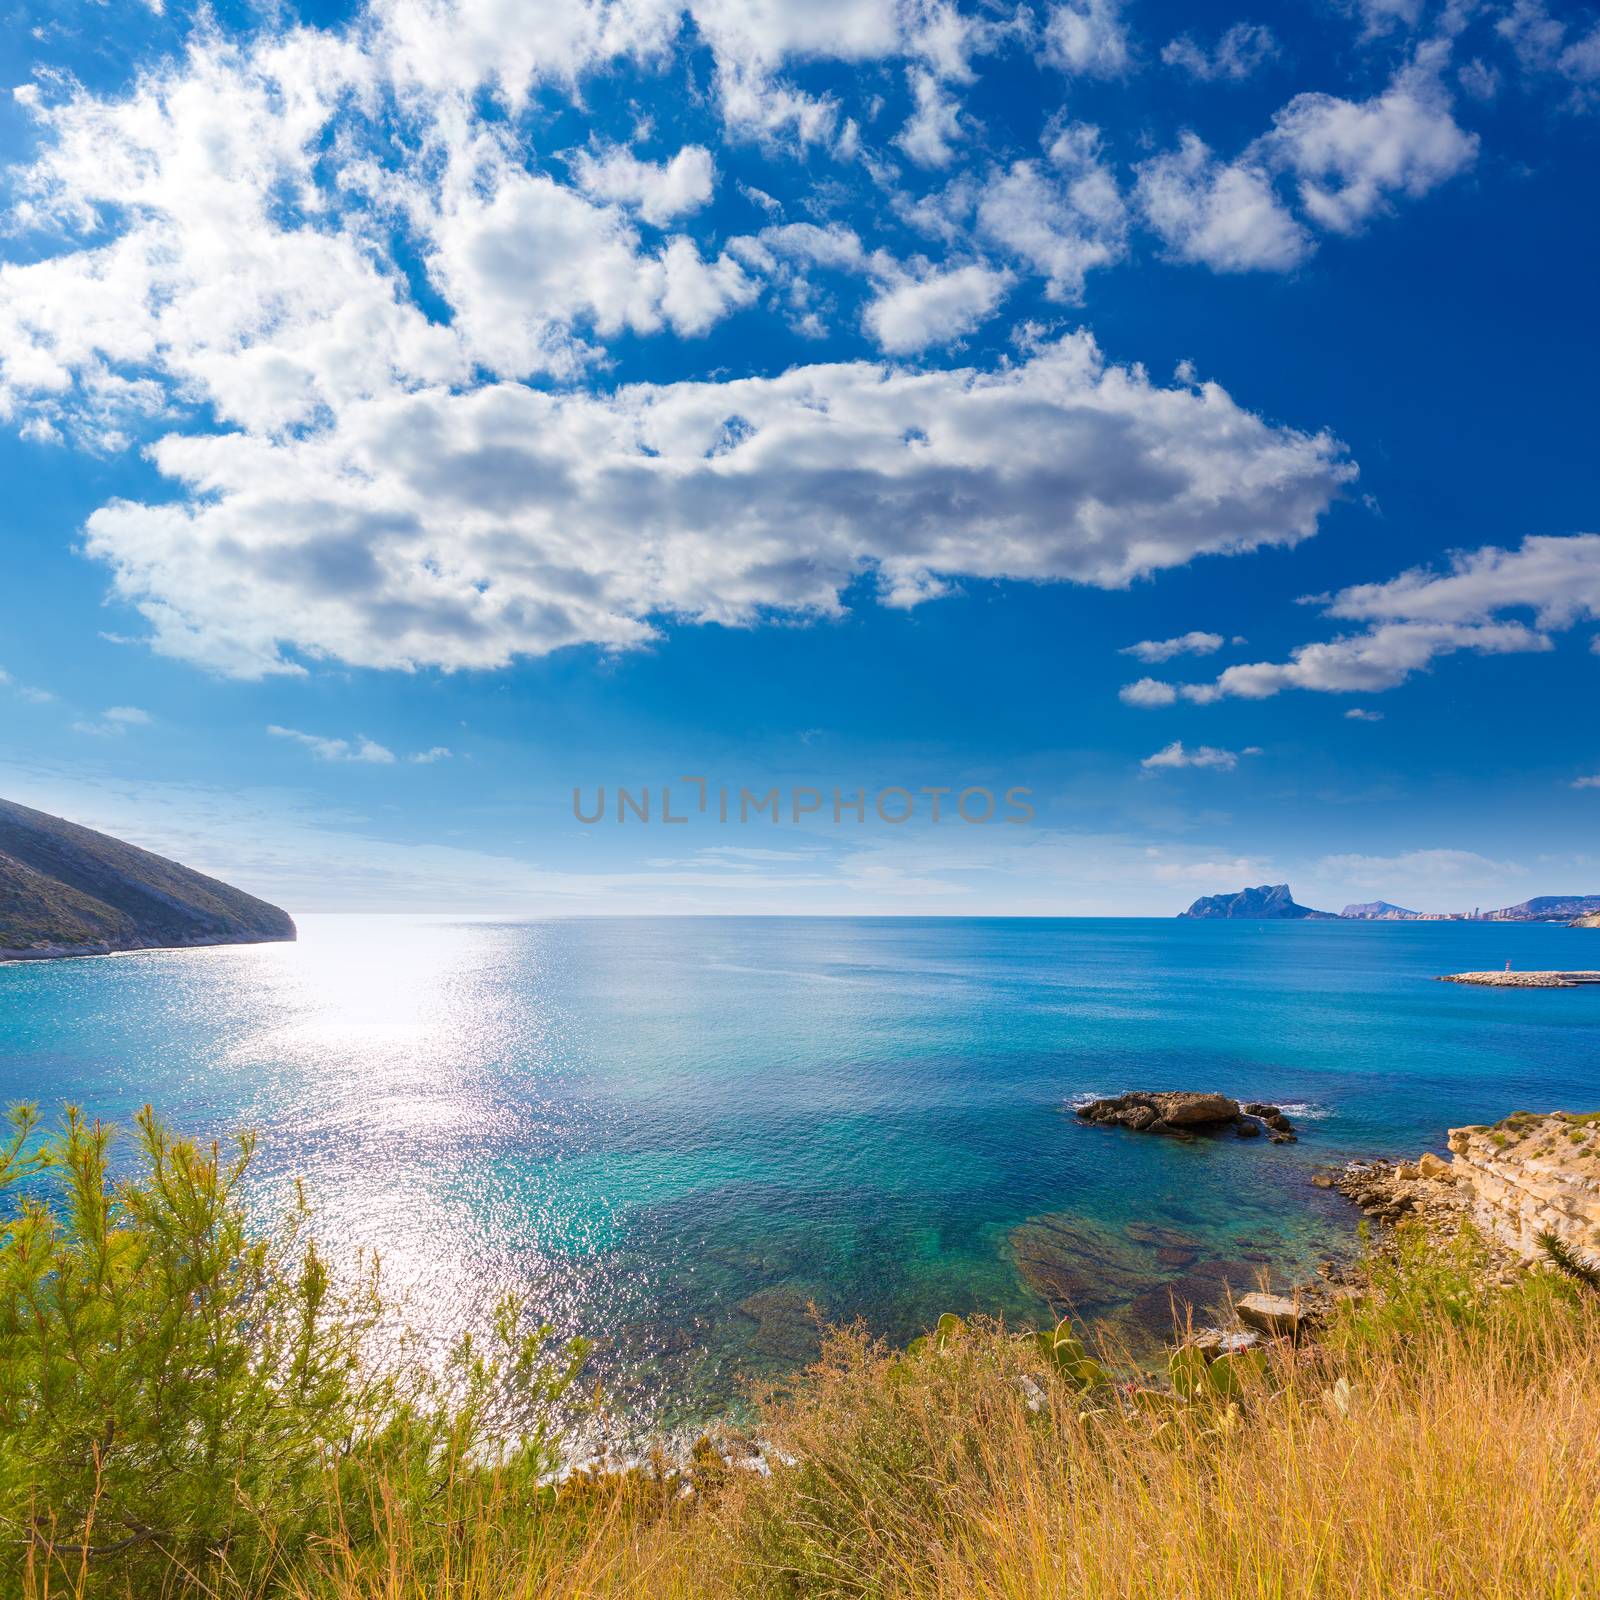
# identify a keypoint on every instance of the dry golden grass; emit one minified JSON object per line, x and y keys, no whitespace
{"x":1444,"y":1445}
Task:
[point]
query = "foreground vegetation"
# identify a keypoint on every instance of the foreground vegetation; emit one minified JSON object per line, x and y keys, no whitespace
{"x":188,"y":1411}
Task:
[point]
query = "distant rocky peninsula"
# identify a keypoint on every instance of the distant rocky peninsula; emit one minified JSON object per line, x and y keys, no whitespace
{"x":1275,"y":902}
{"x":66,"y":890}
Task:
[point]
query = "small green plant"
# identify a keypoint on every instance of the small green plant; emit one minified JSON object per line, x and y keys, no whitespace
{"x":179,"y":1392}
{"x":948,"y":1329}
{"x":1069,"y":1358}
{"x":1228,"y":1377}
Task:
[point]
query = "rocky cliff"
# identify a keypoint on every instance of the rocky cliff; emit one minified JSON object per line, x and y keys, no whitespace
{"x":1531,"y":1175}
{"x":67,"y":890}
{"x":1271,"y":901}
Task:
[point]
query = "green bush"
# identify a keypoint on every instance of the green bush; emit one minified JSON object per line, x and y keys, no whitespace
{"x":179,"y":1393}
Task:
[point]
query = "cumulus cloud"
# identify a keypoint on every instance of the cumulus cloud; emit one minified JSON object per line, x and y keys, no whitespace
{"x":1347,"y":161}
{"x":1175,"y":755}
{"x":1587,"y":783}
{"x":1193,"y":643}
{"x":934,"y":127}
{"x":1062,"y":223}
{"x":310,"y":276}
{"x":660,"y":190}
{"x":1147,"y":693}
{"x":1237,"y":53}
{"x":1362,"y":714}
{"x":1088,"y":38}
{"x":1351,"y":157}
{"x":464,"y":529}
{"x":1424,"y":614}
{"x":1544,"y":45}
{"x":359,"y":749}
{"x":1224,"y":215}
{"x":911,"y":313}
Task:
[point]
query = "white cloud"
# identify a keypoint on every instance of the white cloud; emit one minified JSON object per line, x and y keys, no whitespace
{"x":113,"y":722}
{"x":660,"y":190}
{"x":1362,"y":714}
{"x":1147,"y":693}
{"x":1225,"y":215}
{"x":1543,"y":45}
{"x":1380,"y":17}
{"x":1426,"y":868}
{"x":934,"y":127}
{"x":1239,"y":51}
{"x":361,"y":748}
{"x":908,"y":314}
{"x":1193,"y":643}
{"x":238,"y":237}
{"x":1351,"y":157}
{"x":1587,"y":783}
{"x":1088,"y":38}
{"x":1423,"y":614}
{"x":1174,"y":755}
{"x":25,"y":691}
{"x":464,"y":529}
{"x":1061,"y":224}
{"x":426,"y":758}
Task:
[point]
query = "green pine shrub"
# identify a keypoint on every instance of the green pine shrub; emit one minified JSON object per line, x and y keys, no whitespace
{"x":180,"y":1394}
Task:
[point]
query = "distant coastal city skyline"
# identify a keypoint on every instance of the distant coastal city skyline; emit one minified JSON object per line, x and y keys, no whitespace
{"x":410,"y":420}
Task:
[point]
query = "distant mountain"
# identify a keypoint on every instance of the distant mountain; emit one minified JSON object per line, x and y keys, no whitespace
{"x":66,"y":890}
{"x":1547,"y":908}
{"x":1380,"y":911}
{"x":1270,"y":901}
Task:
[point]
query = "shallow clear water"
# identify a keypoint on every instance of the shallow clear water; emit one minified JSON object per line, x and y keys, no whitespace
{"x":677,"y":1134}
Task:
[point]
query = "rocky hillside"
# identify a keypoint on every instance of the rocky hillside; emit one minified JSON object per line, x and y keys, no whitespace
{"x":1379,"y":911}
{"x":1532,"y":1176}
{"x":66,"y":890}
{"x":1547,"y":908}
{"x":1271,"y":901}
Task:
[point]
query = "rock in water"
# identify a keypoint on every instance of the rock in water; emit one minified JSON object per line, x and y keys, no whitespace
{"x":1271,"y":1313}
{"x":1268,"y":902}
{"x":69,"y":891}
{"x":1163,"y":1111}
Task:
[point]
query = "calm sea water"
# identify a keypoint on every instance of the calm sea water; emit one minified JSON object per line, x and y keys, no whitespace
{"x":679,"y":1135}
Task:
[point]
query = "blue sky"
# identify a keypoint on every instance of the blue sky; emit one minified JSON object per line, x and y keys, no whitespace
{"x":410,"y":413}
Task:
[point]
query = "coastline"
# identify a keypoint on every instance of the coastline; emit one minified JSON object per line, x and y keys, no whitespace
{"x":15,"y":957}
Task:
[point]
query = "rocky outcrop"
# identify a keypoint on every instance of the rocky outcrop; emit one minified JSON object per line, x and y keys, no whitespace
{"x":1379,"y":911}
{"x":1268,"y":902}
{"x":1181,"y":1111}
{"x":1532,"y":1175}
{"x":1590,"y":921}
{"x":67,"y":890}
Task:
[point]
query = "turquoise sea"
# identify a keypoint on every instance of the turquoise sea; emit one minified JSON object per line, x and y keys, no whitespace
{"x":682,"y":1134}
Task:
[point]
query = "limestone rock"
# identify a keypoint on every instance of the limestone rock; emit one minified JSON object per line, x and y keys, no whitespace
{"x":1433,"y":1167}
{"x":1271,"y":1313}
{"x":1532,"y":1174}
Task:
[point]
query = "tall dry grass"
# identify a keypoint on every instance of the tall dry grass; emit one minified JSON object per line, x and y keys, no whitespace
{"x":1443,"y":1442}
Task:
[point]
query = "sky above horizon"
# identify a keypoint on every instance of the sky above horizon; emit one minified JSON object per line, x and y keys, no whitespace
{"x":413,"y":412}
